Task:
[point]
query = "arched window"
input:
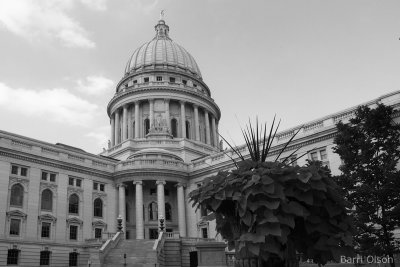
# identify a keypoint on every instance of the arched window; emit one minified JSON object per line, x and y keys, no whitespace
{"x":153,"y":211}
{"x":73,"y":204}
{"x":168,"y":212}
{"x":98,"y":207}
{"x":174,"y":127}
{"x":17,"y":195}
{"x":187,"y":130}
{"x":47,"y":200}
{"x":146,"y":126}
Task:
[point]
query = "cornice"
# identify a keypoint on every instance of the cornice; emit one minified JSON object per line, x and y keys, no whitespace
{"x":5,"y":152}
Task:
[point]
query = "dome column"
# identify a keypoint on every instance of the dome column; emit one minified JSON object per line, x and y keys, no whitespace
{"x":183,"y":119}
{"x":180,"y":190}
{"x":160,"y":199}
{"x":122,"y":204}
{"x":112,"y":130}
{"x":214,"y":129}
{"x":124,"y":123}
{"x":166,"y":101}
{"x":139,"y":209}
{"x":208,"y":137}
{"x":196,"y":122}
{"x":137,"y":124}
{"x":151,"y":101}
{"x":117,"y":126}
{"x":129,"y":122}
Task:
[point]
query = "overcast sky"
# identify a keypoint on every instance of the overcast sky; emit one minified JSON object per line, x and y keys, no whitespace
{"x":61,"y":59}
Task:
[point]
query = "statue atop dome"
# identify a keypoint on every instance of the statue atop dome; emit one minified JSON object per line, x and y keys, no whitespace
{"x":162,"y":14}
{"x":162,"y":29}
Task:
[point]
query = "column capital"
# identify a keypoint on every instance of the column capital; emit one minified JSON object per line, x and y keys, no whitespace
{"x":121,"y":185}
{"x":160,"y":182}
{"x":136,"y":102}
{"x":182,"y":102}
{"x":181,"y":185}
{"x":167,"y":100}
{"x":151,"y":100}
{"x":195,"y":106}
{"x":137,"y":182}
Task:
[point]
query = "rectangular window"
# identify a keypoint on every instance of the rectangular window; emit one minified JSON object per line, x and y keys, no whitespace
{"x":146,"y":79}
{"x":52,"y":177}
{"x":194,"y":85}
{"x":323,"y":154}
{"x":44,"y":258}
{"x":73,"y":232}
{"x":184,"y":82}
{"x":204,"y":232}
{"x":166,"y":192}
{"x":14,"y":170}
{"x":97,"y":233}
{"x":293,"y":160}
{"x":102,"y":187}
{"x":46,"y":229}
{"x":95,"y":186}
{"x":172,"y":79}
{"x":134,"y":81}
{"x":314,"y":156}
{"x":12,"y":257}
{"x":159,"y":78}
{"x":73,"y":259}
{"x":24,"y":171}
{"x":78,"y":182}
{"x":152,"y":191}
{"x":15,"y":225}
{"x":71,"y":181}
{"x":44,"y":176}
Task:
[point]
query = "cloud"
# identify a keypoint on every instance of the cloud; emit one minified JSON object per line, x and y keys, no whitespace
{"x":57,"y":105}
{"x":95,"y":85}
{"x":146,"y":6}
{"x":34,"y":20}
{"x":101,"y":136}
{"x":99,"y":5}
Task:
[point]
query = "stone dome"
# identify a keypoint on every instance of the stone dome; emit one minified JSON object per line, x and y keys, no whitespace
{"x":162,"y":52}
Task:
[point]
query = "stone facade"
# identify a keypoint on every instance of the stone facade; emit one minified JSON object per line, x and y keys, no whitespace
{"x":59,"y":203}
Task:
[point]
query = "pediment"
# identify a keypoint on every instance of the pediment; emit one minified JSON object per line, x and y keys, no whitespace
{"x":47,"y":217}
{"x":16,"y":213}
{"x":74,"y":220}
{"x":99,"y":223}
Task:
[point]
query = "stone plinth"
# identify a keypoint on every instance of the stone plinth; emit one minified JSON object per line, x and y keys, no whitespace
{"x":211,"y":254}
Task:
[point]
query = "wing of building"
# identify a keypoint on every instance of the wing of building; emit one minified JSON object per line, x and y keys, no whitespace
{"x":59,"y":204}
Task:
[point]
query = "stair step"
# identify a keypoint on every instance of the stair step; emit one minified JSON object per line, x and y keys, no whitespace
{"x":139,"y":253}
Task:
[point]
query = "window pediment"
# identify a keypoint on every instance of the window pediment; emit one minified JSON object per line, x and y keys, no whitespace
{"x":16,"y":213}
{"x":47,"y":217}
{"x":99,"y":223}
{"x":74,"y":220}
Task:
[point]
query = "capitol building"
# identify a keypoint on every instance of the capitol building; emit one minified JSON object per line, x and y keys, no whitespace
{"x":59,"y":204}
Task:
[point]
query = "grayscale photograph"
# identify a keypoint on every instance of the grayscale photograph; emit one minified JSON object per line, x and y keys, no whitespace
{"x":214,"y":133}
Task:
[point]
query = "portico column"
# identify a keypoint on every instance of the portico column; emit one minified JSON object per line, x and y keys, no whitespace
{"x":196,"y":122}
{"x":137,"y":124}
{"x":208,"y":138}
{"x":183,"y":119}
{"x":214,"y":129}
{"x":117,"y":136}
{"x":129,"y":122}
{"x":166,"y":101}
{"x":112,"y":130}
{"x":151,"y":101}
{"x":139,"y":209}
{"x":122,"y":205}
{"x":124,"y":123}
{"x":160,"y":199}
{"x":181,"y":209}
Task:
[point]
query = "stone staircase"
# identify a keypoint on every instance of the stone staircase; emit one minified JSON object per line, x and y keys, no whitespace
{"x":139,"y":253}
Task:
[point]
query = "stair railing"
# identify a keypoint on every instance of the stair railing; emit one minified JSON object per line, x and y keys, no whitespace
{"x":158,"y":247}
{"x":109,"y":244}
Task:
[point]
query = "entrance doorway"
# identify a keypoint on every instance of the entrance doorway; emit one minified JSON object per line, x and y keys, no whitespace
{"x":193,"y":259}
{"x":153,"y":233}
